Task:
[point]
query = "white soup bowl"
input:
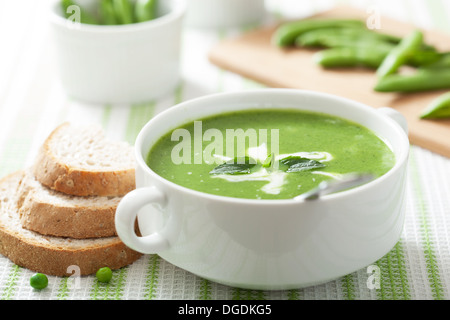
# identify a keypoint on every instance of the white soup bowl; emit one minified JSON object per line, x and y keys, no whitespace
{"x":267,"y":244}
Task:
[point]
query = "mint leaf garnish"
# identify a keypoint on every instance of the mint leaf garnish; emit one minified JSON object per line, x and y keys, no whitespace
{"x":269,"y":161}
{"x":298,"y":164}
{"x":236,"y":166}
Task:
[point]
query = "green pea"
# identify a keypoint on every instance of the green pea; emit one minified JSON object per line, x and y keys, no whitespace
{"x":104,"y":274}
{"x":39,"y":281}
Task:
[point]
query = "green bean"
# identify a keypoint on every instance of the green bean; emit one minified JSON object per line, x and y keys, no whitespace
{"x":286,"y":34}
{"x":107,"y":12}
{"x":422,"y":80}
{"x":439,"y":108}
{"x":85,"y":17}
{"x":124,"y":11}
{"x":145,"y":10}
{"x":399,"y":55}
{"x":350,"y":57}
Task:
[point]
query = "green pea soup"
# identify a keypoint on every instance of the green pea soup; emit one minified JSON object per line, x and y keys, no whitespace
{"x":267,"y":154}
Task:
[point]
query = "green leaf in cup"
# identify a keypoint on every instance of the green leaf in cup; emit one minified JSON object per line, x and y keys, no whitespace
{"x":298,"y":164}
{"x":268,"y":163}
{"x":236,"y":166}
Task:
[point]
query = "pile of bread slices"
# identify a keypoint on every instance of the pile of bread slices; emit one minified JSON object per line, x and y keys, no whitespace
{"x":60,"y":212}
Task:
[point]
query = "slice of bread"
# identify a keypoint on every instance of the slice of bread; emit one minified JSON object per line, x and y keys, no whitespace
{"x":50,"y":212}
{"x":53,"y":255}
{"x":81,"y":161}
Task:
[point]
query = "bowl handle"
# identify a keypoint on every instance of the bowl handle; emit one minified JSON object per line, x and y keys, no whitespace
{"x":396,"y":116}
{"x":125,"y":218}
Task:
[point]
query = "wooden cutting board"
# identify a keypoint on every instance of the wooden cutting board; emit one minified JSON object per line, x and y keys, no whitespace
{"x":253,"y":56}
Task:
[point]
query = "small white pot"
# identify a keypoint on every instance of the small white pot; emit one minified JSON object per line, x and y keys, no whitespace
{"x":224,"y":13}
{"x":267,"y":244}
{"x":119,"y":64}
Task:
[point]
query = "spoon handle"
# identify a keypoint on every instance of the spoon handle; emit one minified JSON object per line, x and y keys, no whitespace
{"x":327,"y":187}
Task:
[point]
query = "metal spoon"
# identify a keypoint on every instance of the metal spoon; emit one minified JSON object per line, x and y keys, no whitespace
{"x":327,"y":187}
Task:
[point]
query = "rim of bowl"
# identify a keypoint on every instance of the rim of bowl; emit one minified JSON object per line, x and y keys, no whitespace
{"x":176,"y":12}
{"x":347,"y":193}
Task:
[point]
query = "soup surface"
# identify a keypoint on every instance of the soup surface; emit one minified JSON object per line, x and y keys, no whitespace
{"x":267,"y":154}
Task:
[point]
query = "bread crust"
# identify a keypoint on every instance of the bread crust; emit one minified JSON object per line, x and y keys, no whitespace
{"x":50,"y":237}
{"x":50,"y":212}
{"x":51,"y":172}
{"x":54,"y":258}
{"x":55,"y":261}
{"x":60,"y":221}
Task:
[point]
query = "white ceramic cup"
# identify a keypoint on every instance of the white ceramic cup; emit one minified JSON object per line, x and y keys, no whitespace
{"x":267,"y":244}
{"x":119,"y":64}
{"x":224,"y":13}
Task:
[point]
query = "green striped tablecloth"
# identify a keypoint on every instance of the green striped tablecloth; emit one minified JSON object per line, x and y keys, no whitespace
{"x":32,"y":103}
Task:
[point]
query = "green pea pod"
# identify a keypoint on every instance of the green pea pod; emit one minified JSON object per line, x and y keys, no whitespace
{"x":388,"y":37}
{"x":107,"y":12}
{"x":332,"y":37}
{"x":399,"y":55}
{"x":324,"y":36}
{"x":439,"y":108}
{"x":424,"y":58}
{"x":145,"y":10}
{"x":85,"y":16}
{"x":287,"y":33}
{"x":422,"y":80}
{"x":442,"y":62}
{"x":124,"y":11}
{"x":345,"y":42}
{"x":350,"y":57}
